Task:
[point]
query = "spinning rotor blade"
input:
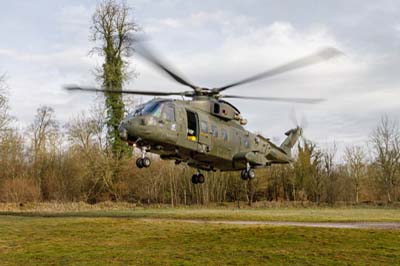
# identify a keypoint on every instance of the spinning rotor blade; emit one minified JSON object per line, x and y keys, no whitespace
{"x":276,"y":99}
{"x":149,"y":93}
{"x":156,"y":61}
{"x":323,"y":55}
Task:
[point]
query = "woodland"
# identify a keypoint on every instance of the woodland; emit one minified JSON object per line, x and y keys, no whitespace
{"x":50,"y":161}
{"x":84,"y":159}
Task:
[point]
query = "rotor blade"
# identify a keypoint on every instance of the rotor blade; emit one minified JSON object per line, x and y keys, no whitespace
{"x":150,"y":93}
{"x":276,"y":99}
{"x":323,"y":55}
{"x":156,"y":61}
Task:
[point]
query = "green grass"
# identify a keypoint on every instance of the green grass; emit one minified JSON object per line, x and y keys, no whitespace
{"x":259,"y":214}
{"x":123,"y":241}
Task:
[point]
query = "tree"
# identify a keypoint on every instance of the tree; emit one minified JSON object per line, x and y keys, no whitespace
{"x":386,"y":144}
{"x":307,"y":171}
{"x":4,"y":108}
{"x":45,"y":134}
{"x":112,"y":27}
{"x":331,"y":177}
{"x":356,"y":167}
{"x":85,"y":132}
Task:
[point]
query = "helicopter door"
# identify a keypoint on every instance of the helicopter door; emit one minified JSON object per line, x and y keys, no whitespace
{"x":192,"y":122}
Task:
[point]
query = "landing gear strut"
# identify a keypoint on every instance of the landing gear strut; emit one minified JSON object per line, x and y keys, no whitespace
{"x":143,"y":161}
{"x":198,"y":178}
{"x":247,"y":173}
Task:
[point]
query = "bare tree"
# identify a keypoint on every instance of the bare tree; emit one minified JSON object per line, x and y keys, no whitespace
{"x":4,"y":108}
{"x":356,"y":167}
{"x":328,"y":163}
{"x":386,"y":144}
{"x":44,"y":132}
{"x":85,"y":131}
{"x":43,"y":129}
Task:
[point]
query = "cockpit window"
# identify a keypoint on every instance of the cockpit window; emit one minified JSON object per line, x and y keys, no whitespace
{"x":153,"y":108}
{"x":169,"y":112}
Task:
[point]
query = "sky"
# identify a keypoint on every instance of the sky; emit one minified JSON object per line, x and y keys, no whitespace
{"x":45,"y":44}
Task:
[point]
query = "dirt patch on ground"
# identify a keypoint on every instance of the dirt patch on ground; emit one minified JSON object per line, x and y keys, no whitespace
{"x":350,"y":225}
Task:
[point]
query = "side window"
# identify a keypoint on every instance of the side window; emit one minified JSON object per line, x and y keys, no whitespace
{"x":224,"y":134}
{"x":169,"y":112}
{"x":204,"y":126}
{"x":246,"y":142}
{"x":216,"y":108}
{"x":214,"y":131}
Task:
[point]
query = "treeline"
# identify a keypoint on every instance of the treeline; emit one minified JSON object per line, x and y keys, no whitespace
{"x":49,"y":161}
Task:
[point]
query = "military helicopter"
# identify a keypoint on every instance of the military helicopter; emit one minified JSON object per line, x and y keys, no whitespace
{"x":206,"y":132}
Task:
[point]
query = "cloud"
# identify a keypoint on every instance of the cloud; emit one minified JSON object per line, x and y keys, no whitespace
{"x":214,"y":44}
{"x":356,"y":95}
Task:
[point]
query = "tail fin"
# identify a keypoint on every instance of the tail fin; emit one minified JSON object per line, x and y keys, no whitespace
{"x":292,"y":136}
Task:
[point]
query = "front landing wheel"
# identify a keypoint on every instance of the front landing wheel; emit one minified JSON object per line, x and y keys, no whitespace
{"x":146,"y":162}
{"x":139,"y":163}
{"x":143,"y":162}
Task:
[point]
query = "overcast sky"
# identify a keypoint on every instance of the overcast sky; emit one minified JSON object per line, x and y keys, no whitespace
{"x":45,"y":44}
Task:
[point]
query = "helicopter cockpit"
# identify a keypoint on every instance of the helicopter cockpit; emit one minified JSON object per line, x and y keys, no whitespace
{"x":150,"y":108}
{"x":159,"y":113}
{"x":159,"y":109}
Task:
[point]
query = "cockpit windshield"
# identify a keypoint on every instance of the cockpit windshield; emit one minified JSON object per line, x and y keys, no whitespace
{"x":151,"y":108}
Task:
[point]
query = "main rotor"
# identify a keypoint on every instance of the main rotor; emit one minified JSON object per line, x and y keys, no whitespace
{"x":197,"y":92}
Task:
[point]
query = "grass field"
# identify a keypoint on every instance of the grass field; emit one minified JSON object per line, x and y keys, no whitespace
{"x":257,"y":214}
{"x":122,"y":241}
{"x":93,"y":237}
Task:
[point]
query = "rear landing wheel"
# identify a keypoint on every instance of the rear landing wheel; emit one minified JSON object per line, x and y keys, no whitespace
{"x":195,"y":179}
{"x":200,"y":178}
{"x":247,"y":174}
{"x":244,"y":175}
{"x":251,"y":174}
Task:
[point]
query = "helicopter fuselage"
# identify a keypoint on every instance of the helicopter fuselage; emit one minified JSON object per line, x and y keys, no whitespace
{"x":206,"y":134}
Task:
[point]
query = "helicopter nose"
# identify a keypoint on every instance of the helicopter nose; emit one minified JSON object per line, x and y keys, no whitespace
{"x":123,"y":133}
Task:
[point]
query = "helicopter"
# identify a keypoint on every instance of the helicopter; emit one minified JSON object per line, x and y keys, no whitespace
{"x":205,"y":131}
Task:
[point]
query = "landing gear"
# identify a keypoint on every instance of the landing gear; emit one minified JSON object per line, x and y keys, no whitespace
{"x":143,"y":161}
{"x":139,"y":163}
{"x":251,"y":174}
{"x":247,"y":173}
{"x":243,"y":174}
{"x":198,"y":178}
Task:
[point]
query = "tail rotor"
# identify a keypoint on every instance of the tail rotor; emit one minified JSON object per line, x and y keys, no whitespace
{"x":299,"y":123}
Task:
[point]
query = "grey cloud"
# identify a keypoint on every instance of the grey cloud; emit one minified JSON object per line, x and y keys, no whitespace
{"x":216,"y":42}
